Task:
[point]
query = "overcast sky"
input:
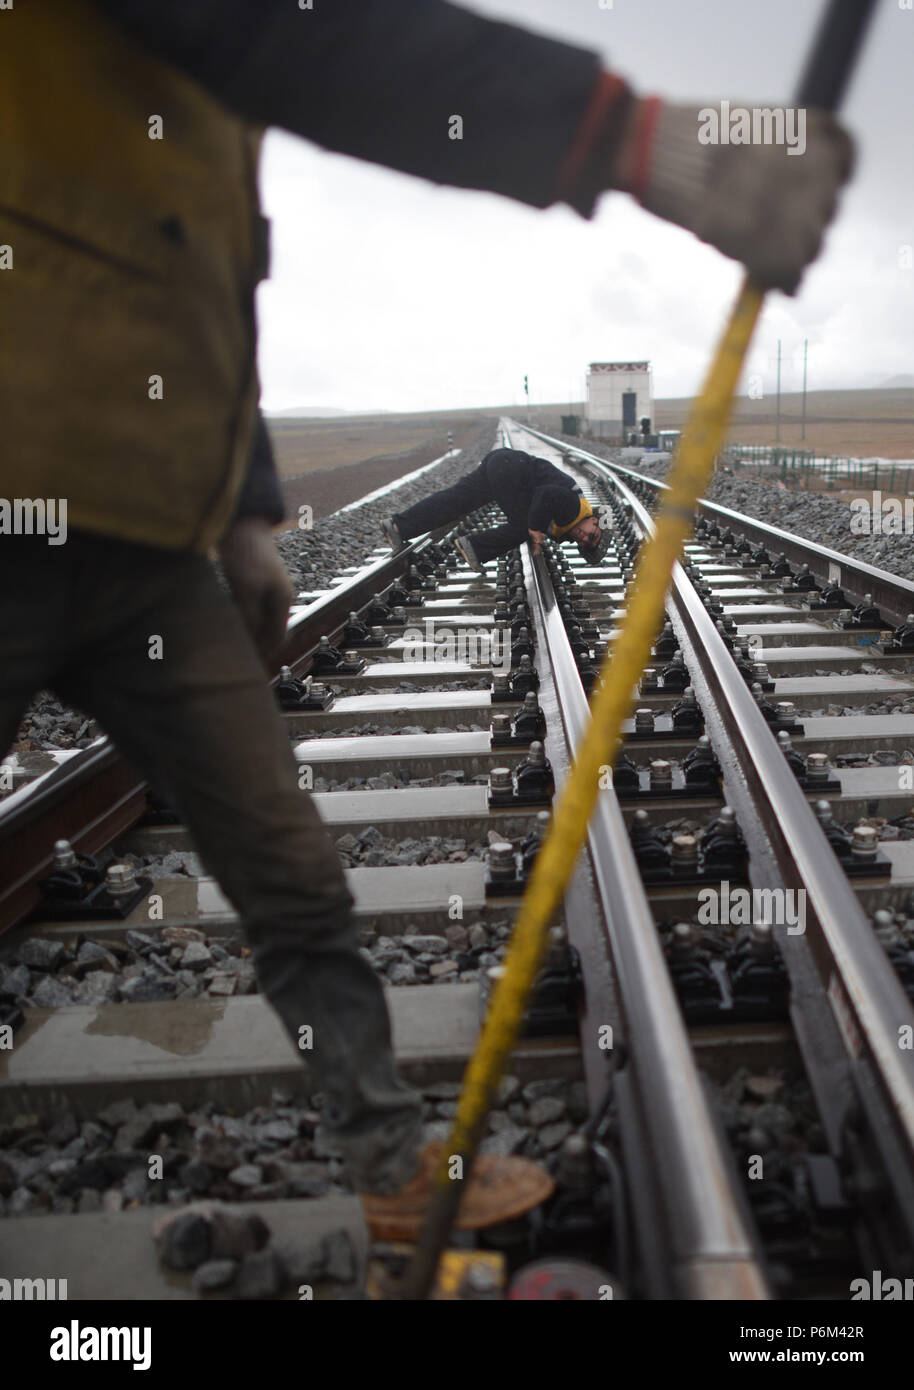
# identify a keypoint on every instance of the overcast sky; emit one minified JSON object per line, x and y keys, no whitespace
{"x":385,"y":290}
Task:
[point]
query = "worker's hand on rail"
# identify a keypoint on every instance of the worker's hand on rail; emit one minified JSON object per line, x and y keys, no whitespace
{"x":258,"y":581}
{"x":536,"y":541}
{"x":766,"y":202}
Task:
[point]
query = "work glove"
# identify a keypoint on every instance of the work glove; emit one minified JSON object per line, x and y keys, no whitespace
{"x":759,"y":203}
{"x":258,"y":581}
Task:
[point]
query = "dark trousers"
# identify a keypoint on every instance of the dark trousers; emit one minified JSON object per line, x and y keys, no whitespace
{"x":202,"y":723}
{"x":477,"y":489}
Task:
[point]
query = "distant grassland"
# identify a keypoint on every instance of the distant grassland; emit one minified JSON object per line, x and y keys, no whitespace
{"x":861,"y":424}
{"x":305,"y":445}
{"x":856,"y":424}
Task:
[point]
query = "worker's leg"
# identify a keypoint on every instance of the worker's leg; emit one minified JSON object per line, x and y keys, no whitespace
{"x":497,"y":540}
{"x":445,"y":507}
{"x":34,"y":585}
{"x":168,"y":668}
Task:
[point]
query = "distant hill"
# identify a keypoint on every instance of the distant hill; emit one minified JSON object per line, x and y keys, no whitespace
{"x":898,"y":383}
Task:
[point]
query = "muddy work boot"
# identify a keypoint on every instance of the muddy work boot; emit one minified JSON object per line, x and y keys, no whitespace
{"x":391,"y":534}
{"x":500,"y":1189}
{"x":464,"y":548}
{"x":380,"y":1159}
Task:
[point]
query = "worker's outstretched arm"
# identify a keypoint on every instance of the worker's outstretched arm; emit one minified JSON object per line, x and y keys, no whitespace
{"x":435,"y":90}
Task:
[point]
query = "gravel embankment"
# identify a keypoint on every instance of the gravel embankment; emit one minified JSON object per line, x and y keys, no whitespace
{"x":187,"y":963}
{"x":267,"y":1153}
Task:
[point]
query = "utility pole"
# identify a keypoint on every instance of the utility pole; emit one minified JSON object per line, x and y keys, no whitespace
{"x":527,"y":394}
{"x":805,"y":350}
{"x":777,"y":428}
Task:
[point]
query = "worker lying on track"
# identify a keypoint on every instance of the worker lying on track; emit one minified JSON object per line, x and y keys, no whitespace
{"x":537,"y":499}
{"x":128,"y":206}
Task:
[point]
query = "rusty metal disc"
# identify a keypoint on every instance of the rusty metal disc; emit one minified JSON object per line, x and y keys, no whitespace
{"x":562,"y":1279}
{"x":500,"y":1189}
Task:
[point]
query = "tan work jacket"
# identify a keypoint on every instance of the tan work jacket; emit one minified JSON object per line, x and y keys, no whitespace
{"x":127,"y":372}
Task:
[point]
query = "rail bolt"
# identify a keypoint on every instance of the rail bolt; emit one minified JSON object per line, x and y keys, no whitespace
{"x":864,"y":842}
{"x":500,"y":779}
{"x":661,"y":775}
{"x":501,"y":860}
{"x":644,"y":721}
{"x":684,"y":851}
{"x":817,"y":767}
{"x":120,"y":880}
{"x":64,"y":855}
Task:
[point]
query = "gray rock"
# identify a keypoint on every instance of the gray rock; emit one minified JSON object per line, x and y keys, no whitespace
{"x":42,"y":953}
{"x":401,"y":972}
{"x":237,"y":1233}
{"x":776,"y":1118}
{"x":246,"y":1175}
{"x":197,"y":1176}
{"x":443,"y":968}
{"x":136,"y":1184}
{"x":63,"y":1129}
{"x":506,"y":1090}
{"x":551,"y":1136}
{"x":14,"y":981}
{"x":260,"y":1275}
{"x":52,"y":994}
{"x":185,"y":1240}
{"x":338,"y":1257}
{"x":431,"y":945}
{"x":278,"y":1131}
{"x":223,"y":983}
{"x":141,"y":942}
{"x":147,"y":989}
{"x":196,"y":956}
{"x":506,"y":1141}
{"x":118,"y":1113}
{"x":92,"y":955}
{"x":214,"y":1149}
{"x":147,"y":1123}
{"x":214,"y":1274}
{"x":20,"y":1202}
{"x":302,"y":1261}
{"x":96,"y":987}
{"x":534,"y":1090}
{"x":545,"y":1111}
{"x":479,"y":937}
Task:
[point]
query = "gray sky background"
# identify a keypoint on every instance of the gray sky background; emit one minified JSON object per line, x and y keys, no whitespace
{"x":388,"y":293}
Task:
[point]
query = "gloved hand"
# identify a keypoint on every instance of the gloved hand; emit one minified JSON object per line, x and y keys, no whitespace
{"x":757,"y":203}
{"x":259,"y":583}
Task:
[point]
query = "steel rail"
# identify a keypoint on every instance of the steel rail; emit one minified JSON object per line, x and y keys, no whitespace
{"x":845,"y":992}
{"x":706,"y":1250}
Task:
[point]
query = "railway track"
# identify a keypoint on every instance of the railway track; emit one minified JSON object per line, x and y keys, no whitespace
{"x":714,"y":1067}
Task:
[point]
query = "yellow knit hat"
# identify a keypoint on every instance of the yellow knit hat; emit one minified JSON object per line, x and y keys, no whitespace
{"x":584,"y":510}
